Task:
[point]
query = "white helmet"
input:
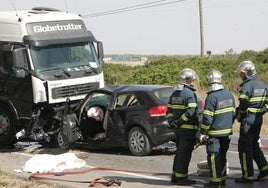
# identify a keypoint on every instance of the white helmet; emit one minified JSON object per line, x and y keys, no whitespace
{"x":188,"y":75}
{"x":247,"y":67}
{"x":214,"y":77}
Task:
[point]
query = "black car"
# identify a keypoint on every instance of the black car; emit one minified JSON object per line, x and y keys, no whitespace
{"x":129,"y":116}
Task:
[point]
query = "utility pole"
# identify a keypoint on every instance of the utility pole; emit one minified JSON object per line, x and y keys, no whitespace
{"x":201,"y":28}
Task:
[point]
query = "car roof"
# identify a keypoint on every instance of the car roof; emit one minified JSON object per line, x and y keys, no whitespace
{"x":122,"y":88}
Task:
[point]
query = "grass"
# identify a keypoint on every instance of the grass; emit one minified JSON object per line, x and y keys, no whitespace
{"x":10,"y":180}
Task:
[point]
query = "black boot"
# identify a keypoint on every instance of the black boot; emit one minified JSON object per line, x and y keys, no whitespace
{"x":185,"y":181}
{"x":243,"y":180}
{"x":173,"y":178}
{"x":263,"y":174}
{"x":212,"y":184}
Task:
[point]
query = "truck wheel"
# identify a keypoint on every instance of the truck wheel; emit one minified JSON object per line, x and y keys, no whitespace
{"x":138,"y":142}
{"x":7,"y":127}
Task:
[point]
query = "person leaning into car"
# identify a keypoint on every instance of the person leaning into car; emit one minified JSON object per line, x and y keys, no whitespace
{"x":182,"y":115}
{"x":216,"y":126}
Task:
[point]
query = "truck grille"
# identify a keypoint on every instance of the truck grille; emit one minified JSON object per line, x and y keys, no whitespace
{"x":73,"y":90}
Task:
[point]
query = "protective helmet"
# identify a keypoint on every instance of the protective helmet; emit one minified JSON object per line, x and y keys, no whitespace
{"x":214,"y":77}
{"x":247,"y":67}
{"x":188,"y":75}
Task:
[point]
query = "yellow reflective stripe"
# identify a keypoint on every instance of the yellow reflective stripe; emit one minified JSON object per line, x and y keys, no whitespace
{"x":192,"y":105}
{"x":186,"y":126}
{"x":217,"y":132}
{"x":207,"y":112}
{"x":179,"y":175}
{"x":264,"y":168}
{"x":213,"y":168}
{"x":257,"y":99}
{"x":256,"y":110}
{"x":176,"y":106}
{"x":206,"y":127}
{"x":242,"y":96}
{"x":244,"y":163}
{"x":222,"y":111}
{"x":179,"y":106}
{"x":169,"y":115}
{"x":184,"y":117}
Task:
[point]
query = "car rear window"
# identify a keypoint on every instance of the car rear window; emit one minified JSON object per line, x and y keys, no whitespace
{"x":163,"y":94}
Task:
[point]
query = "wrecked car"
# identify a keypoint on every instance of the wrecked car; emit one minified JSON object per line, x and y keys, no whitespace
{"x":129,"y":116}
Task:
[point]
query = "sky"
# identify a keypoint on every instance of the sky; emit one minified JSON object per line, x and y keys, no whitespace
{"x":166,"y":27}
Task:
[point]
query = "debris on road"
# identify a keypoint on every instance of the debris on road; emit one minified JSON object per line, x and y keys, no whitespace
{"x":43,"y":163}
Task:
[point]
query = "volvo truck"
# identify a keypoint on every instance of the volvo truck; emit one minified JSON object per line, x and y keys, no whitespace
{"x":47,"y":57}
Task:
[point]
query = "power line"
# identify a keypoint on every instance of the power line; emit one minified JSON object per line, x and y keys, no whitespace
{"x":132,"y":8}
{"x":122,"y":9}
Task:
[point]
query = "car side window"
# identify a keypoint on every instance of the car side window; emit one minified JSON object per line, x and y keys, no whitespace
{"x":133,"y":101}
{"x":126,"y":100}
{"x":120,"y":99}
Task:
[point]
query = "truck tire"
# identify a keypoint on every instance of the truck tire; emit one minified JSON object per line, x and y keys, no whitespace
{"x":7,"y":127}
{"x":138,"y":142}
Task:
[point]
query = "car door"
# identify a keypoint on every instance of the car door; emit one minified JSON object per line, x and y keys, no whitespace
{"x":119,"y":115}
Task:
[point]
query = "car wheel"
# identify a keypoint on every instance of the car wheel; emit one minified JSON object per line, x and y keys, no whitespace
{"x":138,"y":142}
{"x":60,"y":141}
{"x":7,"y":127}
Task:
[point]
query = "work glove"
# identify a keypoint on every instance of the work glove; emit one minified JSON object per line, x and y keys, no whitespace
{"x":203,"y":139}
{"x":240,"y":115}
{"x":174,"y":124}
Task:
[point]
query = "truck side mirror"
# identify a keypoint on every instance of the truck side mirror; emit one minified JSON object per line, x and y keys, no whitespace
{"x":100,"y":52}
{"x":19,"y":73}
{"x":19,"y":61}
{"x":19,"y":58}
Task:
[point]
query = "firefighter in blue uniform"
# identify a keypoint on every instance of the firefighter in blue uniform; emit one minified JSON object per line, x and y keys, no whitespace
{"x":252,"y":105}
{"x":182,"y":114}
{"x":217,"y":122}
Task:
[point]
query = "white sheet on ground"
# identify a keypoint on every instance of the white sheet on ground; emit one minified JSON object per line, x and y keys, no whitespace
{"x":44,"y":163}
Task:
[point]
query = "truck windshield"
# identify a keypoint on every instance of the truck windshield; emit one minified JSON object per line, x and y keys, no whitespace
{"x":67,"y":57}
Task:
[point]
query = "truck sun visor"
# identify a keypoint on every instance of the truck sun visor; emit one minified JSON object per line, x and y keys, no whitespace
{"x":59,"y":38}
{"x":57,"y":32}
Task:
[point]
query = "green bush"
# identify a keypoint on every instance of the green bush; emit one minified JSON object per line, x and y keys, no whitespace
{"x":164,"y":70}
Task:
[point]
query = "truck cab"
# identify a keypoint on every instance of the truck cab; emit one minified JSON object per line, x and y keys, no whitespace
{"x":46,"y":57}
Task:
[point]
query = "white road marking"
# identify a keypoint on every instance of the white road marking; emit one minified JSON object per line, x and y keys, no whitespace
{"x":23,"y":154}
{"x":135,"y":174}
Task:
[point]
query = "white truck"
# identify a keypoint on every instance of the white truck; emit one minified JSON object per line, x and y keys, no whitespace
{"x":46,"y":57}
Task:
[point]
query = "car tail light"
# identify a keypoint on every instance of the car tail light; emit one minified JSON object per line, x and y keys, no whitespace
{"x":158,"y":111}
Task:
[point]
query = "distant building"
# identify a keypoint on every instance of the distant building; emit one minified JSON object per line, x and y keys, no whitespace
{"x":121,"y":58}
{"x":125,"y":58}
{"x":144,"y":59}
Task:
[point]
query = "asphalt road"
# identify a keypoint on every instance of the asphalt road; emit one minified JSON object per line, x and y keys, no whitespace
{"x":132,"y":171}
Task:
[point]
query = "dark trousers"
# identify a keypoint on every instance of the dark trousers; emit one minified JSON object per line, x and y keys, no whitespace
{"x":248,"y":145}
{"x":185,"y":145}
{"x":217,"y":148}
